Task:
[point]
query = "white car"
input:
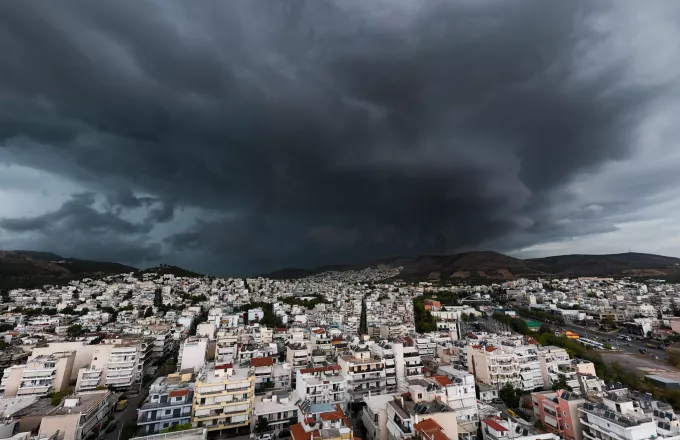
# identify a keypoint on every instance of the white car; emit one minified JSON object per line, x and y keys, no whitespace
{"x":265,"y":437}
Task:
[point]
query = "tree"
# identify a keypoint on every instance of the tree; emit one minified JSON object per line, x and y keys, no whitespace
{"x":148,"y":312}
{"x":75,"y":330}
{"x":510,"y":396}
{"x":262,"y":424}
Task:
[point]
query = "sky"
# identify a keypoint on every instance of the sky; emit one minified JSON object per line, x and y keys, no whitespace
{"x":241,"y":137}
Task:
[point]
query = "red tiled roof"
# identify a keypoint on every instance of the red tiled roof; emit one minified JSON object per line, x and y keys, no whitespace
{"x":439,"y":435}
{"x":224,"y":366}
{"x":495,"y":425}
{"x":443,"y":380}
{"x":262,"y":362}
{"x":334,"y":415}
{"x":427,"y":425}
{"x":298,"y":432}
{"x":491,"y":349}
{"x":477,"y":347}
{"x":532,"y":341}
{"x":320,"y":369}
{"x":178,"y":393}
{"x":319,"y":331}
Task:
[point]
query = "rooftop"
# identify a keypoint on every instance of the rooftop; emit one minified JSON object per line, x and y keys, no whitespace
{"x":189,"y":434}
{"x":82,"y":402}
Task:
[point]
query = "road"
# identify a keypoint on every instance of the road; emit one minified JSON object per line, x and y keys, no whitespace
{"x":127,"y":417}
{"x":633,"y":346}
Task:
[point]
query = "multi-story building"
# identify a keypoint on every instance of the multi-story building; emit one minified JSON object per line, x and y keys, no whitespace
{"x":374,"y":416}
{"x":168,"y":404}
{"x":557,"y":412}
{"x":297,"y":355}
{"x":529,"y":367}
{"x":223,"y":398}
{"x":363,"y":372}
{"x":322,"y":421}
{"x":321,"y":341}
{"x":118,"y":363}
{"x":192,"y":354}
{"x":78,"y":417}
{"x":263,"y":368}
{"x":556,"y":365}
{"x":620,"y":414}
{"x":494,"y":366}
{"x":39,"y":376}
{"x":495,"y":428}
{"x":384,"y":351}
{"x":278,"y":408}
{"x":408,"y":364}
{"x":403,"y":413}
{"x":457,"y":389}
{"x":321,"y":385}
{"x":281,"y":376}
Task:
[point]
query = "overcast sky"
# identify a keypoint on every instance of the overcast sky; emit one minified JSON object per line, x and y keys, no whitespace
{"x":240,"y":137}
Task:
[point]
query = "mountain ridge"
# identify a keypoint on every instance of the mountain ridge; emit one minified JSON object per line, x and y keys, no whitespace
{"x":494,"y":265}
{"x":34,"y":268}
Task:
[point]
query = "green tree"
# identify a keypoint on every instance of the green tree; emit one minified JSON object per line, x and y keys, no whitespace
{"x":262,"y":424}
{"x":148,"y":312}
{"x":75,"y":330}
{"x":510,"y":396}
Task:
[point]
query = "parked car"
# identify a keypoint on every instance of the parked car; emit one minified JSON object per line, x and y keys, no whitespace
{"x":265,"y":437}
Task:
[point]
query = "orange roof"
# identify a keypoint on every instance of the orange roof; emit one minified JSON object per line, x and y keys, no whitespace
{"x":443,"y":380}
{"x":178,"y":393}
{"x":427,"y":425}
{"x":298,"y":432}
{"x":491,"y":349}
{"x":319,"y":331}
{"x":439,"y":435}
{"x":333,"y":415}
{"x":261,"y":362}
{"x":532,"y":341}
{"x":224,"y":366}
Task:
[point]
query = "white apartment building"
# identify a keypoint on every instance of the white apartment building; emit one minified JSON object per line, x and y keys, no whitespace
{"x":384,"y":351}
{"x":119,"y":363}
{"x":494,"y":365}
{"x":321,"y":385}
{"x":621,"y":416}
{"x":192,"y":354}
{"x":297,"y":355}
{"x":38,"y":377}
{"x":457,"y":389}
{"x":363,"y":372}
{"x":408,"y":364}
{"x":555,"y":363}
{"x":529,"y":367}
{"x":278,"y":408}
{"x":77,"y":417}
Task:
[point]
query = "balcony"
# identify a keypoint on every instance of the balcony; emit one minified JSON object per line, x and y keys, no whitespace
{"x":358,"y":379}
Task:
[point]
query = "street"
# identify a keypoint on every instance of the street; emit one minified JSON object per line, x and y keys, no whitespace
{"x":127,"y":417}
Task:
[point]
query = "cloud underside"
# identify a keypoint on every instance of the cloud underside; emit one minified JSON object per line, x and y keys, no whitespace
{"x":241,"y":137}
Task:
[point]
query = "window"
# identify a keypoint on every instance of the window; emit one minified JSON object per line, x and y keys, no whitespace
{"x":564,"y":413}
{"x":168,"y":411}
{"x":566,"y":425}
{"x":420,"y":395}
{"x":165,"y":425}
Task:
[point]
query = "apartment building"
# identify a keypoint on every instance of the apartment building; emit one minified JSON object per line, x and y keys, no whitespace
{"x":281,"y":376}
{"x":426,"y":347}
{"x":556,"y":365}
{"x":168,"y":404}
{"x":189,"y":434}
{"x":495,"y":428}
{"x":529,"y":367}
{"x":297,"y":355}
{"x":494,"y":366}
{"x":39,"y":376}
{"x":263,"y":368}
{"x":192,"y":354}
{"x":278,"y":408}
{"x":403,"y":413}
{"x":363,"y":372}
{"x":321,"y":385}
{"x":621,"y":414}
{"x":321,"y":341}
{"x":408,"y":364}
{"x":322,"y":421}
{"x":223,"y":398}
{"x":78,"y":417}
{"x":384,"y":351}
{"x":457,"y":389}
{"x":558,"y":412}
{"x":374,"y":416}
{"x":82,"y":349}
{"x":117,"y":363}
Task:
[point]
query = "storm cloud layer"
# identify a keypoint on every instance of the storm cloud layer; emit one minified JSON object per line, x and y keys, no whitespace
{"x":245,"y":136}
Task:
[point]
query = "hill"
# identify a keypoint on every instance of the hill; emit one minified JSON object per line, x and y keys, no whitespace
{"x":33,"y":269}
{"x":480,"y":265}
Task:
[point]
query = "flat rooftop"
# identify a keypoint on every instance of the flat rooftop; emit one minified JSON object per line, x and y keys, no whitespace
{"x":86,"y":402}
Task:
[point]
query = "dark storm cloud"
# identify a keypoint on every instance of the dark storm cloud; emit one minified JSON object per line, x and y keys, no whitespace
{"x":314,"y":132}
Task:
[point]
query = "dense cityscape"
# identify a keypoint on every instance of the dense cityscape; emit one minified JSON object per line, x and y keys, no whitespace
{"x":340,"y":355}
